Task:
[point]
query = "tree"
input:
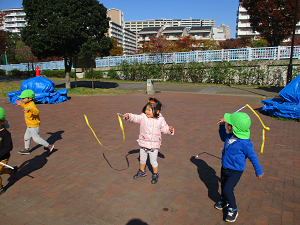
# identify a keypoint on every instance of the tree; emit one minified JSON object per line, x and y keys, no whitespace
{"x":273,"y":19}
{"x":158,"y":44}
{"x":236,"y":43}
{"x":209,"y":45}
{"x":116,"y":50}
{"x":66,"y":29}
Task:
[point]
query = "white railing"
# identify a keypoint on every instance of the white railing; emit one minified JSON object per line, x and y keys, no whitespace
{"x":246,"y":54}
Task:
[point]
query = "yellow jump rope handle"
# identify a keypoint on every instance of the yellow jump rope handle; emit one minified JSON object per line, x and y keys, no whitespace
{"x":263,"y":132}
{"x":122,"y":128}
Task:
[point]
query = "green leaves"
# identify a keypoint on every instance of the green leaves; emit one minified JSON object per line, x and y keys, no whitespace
{"x":65,"y":28}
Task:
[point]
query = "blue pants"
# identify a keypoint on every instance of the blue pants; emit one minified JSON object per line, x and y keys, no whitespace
{"x":229,"y":179}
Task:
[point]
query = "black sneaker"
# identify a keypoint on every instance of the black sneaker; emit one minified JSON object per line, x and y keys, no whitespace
{"x":221,"y":205}
{"x":232,"y":215}
{"x":2,"y":190}
{"x":140,"y":174}
{"x":13,"y":172}
{"x":155,"y":177}
{"x":24,"y":152}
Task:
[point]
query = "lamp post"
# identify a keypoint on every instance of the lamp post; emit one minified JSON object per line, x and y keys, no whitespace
{"x":290,"y":66}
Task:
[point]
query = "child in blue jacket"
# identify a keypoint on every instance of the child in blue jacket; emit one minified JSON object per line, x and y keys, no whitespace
{"x":237,"y":148}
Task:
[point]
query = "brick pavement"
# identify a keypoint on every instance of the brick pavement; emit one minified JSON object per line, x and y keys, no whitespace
{"x":75,"y":184}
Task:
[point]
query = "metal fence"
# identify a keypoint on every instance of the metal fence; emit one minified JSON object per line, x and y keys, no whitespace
{"x":246,"y":54}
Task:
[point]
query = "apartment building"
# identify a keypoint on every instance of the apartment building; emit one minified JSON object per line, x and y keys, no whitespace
{"x":226,"y":31}
{"x":136,"y":26}
{"x":14,"y":20}
{"x":125,"y":37}
{"x":243,"y":28}
{"x":201,"y":33}
{"x":174,"y":33}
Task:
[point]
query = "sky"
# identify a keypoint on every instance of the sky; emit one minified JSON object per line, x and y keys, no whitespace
{"x":223,"y":11}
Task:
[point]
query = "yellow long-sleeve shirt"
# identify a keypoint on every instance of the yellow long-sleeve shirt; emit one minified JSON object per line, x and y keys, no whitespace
{"x":32,"y":118}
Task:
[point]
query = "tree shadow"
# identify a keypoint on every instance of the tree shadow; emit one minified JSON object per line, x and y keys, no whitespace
{"x":148,"y":164}
{"x":136,"y":222}
{"x":88,"y":84}
{"x":27,"y":167}
{"x":271,"y":89}
{"x":208,"y":176}
{"x":52,"y":139}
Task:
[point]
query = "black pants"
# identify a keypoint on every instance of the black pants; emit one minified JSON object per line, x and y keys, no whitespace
{"x":229,"y":179}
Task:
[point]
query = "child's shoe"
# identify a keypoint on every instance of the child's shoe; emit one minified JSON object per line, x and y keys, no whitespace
{"x":51,"y":147}
{"x":24,"y":152}
{"x":221,"y":205}
{"x":232,"y":215}
{"x":13,"y":172}
{"x":2,"y":190}
{"x":154,"y":178}
{"x":140,"y":174}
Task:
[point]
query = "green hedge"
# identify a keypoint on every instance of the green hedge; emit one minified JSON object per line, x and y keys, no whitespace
{"x":18,"y":73}
{"x":56,"y":73}
{"x":242,"y":72}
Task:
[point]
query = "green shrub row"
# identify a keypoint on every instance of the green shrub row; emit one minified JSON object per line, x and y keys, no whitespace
{"x":243,"y":72}
{"x":246,"y":73}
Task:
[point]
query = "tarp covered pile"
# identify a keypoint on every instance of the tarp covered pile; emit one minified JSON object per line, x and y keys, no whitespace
{"x":43,"y":89}
{"x":288,"y":105}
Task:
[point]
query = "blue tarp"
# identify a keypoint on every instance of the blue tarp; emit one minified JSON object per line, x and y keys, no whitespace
{"x":288,"y":105}
{"x":43,"y":89}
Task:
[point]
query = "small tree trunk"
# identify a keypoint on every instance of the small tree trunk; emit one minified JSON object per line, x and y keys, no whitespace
{"x":68,"y":66}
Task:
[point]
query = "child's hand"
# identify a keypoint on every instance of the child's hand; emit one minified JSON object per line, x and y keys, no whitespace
{"x":126,"y":116}
{"x":18,"y":102}
{"x":222,"y":121}
{"x":26,"y":109}
{"x":260,"y":176}
{"x":171,"y":129}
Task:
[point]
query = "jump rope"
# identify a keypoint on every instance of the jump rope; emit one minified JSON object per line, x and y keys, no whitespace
{"x":264,"y":127}
{"x":263,"y":131}
{"x":123,"y":133}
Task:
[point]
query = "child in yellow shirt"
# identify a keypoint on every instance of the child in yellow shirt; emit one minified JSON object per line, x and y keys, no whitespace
{"x":32,"y":119}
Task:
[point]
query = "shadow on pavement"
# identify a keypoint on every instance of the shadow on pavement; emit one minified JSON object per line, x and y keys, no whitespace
{"x":88,"y":84}
{"x":208,"y":176}
{"x":148,"y":164}
{"x":51,"y":140}
{"x":136,"y":222}
{"x":28,"y":167}
{"x":267,"y":89}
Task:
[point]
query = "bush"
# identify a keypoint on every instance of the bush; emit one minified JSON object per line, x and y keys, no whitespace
{"x":2,"y":73}
{"x":97,"y":74}
{"x":18,"y":73}
{"x":56,"y":73}
{"x":113,"y":74}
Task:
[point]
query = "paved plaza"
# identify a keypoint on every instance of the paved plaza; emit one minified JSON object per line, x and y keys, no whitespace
{"x":81,"y":182}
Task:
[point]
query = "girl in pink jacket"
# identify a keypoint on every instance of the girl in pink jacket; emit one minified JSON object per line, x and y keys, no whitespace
{"x":152,"y":123}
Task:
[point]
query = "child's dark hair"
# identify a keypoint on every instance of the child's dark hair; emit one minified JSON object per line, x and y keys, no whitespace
{"x":155,"y":105}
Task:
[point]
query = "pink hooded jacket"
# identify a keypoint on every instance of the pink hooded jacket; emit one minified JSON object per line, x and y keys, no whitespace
{"x":150,"y":129}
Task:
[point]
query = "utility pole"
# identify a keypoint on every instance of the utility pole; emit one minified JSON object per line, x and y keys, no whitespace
{"x":290,"y":66}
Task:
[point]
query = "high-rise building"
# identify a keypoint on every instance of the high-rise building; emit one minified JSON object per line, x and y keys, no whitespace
{"x":136,"y":26}
{"x":14,"y":20}
{"x":125,"y":37}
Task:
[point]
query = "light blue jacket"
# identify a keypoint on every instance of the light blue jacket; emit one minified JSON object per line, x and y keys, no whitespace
{"x":234,"y":156}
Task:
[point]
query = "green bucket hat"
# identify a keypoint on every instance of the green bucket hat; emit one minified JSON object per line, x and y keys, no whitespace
{"x":27,"y":94}
{"x":2,"y":113}
{"x":240,"y":122}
